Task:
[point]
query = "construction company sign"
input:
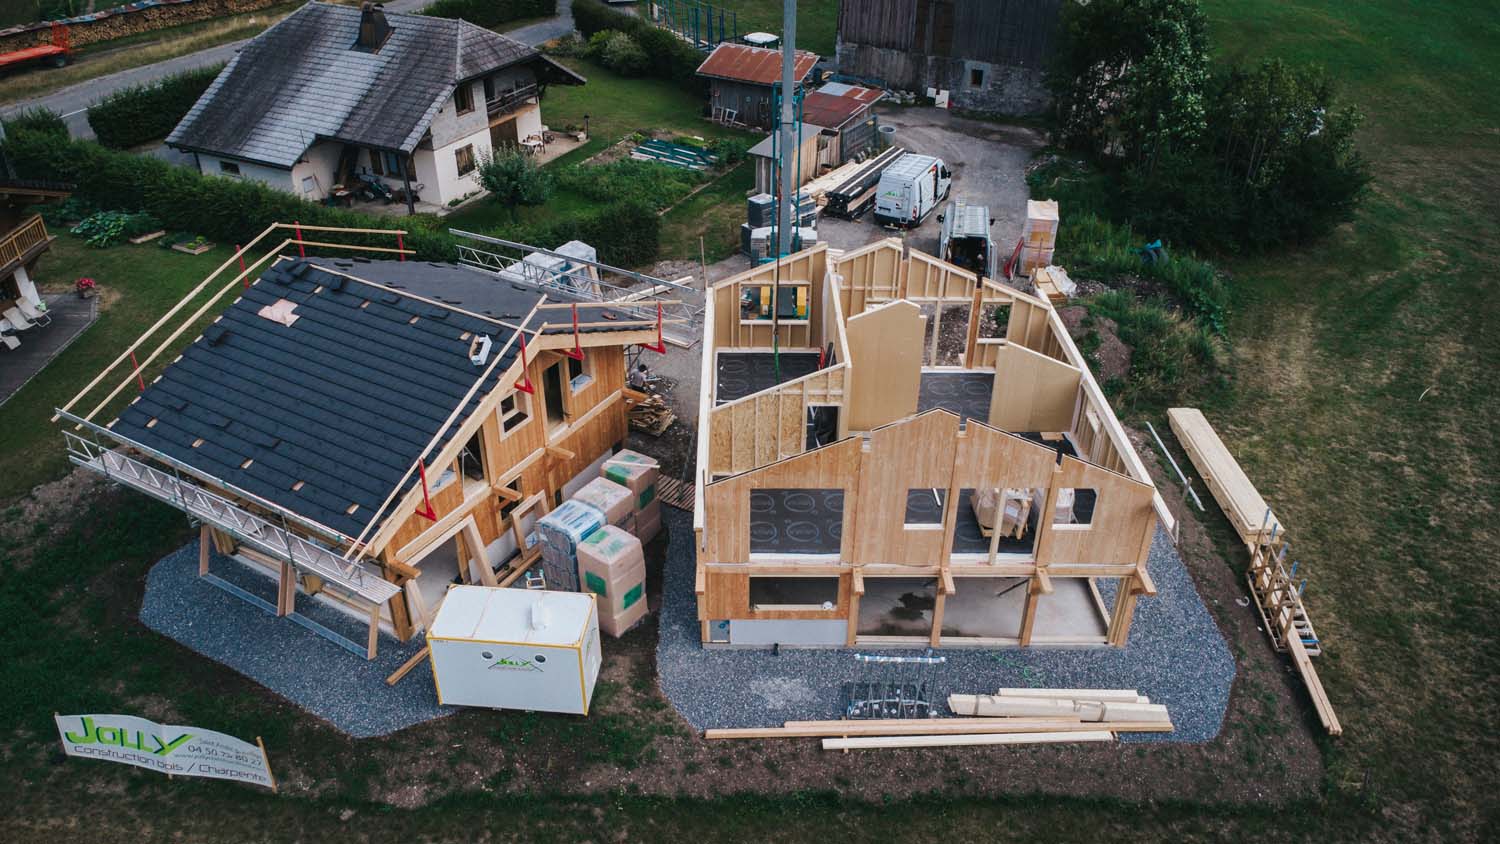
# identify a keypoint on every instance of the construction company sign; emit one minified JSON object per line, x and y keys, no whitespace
{"x":183,"y":751}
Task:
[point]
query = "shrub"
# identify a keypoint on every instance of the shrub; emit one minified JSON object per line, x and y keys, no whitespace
{"x":1169,"y":355}
{"x":625,"y":233}
{"x":107,"y":228}
{"x":144,"y":113}
{"x":39,"y":120}
{"x":491,"y":13}
{"x":513,"y":179}
{"x":669,"y":57}
{"x":619,"y":52}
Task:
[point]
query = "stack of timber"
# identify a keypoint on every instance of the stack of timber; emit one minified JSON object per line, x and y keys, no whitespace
{"x":818,"y":188}
{"x":1060,"y":715}
{"x":651,"y":415}
{"x":856,"y":193}
{"x":1276,"y":597}
{"x":1039,"y":235}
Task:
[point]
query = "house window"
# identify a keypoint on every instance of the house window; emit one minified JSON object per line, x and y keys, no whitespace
{"x":515,"y":409}
{"x":796,"y":521}
{"x":552,"y":396}
{"x":309,"y":184}
{"x":463,"y":98}
{"x":794,"y":593}
{"x":1074,"y":507}
{"x":976,"y":77}
{"x":924,"y":508}
{"x":580,"y":373}
{"x":464,"y":157}
{"x":755,"y":302}
{"x":471,"y":459}
{"x":384,"y":163}
{"x":229,"y":168}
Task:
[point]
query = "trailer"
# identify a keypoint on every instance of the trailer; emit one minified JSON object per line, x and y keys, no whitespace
{"x":910,"y":188}
{"x":55,"y":53}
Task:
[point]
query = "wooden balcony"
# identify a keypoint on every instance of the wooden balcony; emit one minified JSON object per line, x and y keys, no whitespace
{"x":23,"y":243}
{"x":507,"y":102}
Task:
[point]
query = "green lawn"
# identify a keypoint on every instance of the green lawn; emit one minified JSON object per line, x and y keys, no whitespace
{"x":817,"y":20}
{"x":714,"y":214}
{"x":1363,"y":404}
{"x":139,"y":284}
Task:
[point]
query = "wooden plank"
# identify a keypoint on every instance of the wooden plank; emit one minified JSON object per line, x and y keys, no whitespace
{"x":882,"y":742}
{"x":205,"y":539}
{"x":1231,"y":487}
{"x":927,"y":726}
{"x":885,"y":345}
{"x":1120,"y":695}
{"x":407,"y":666}
{"x":997,"y":706}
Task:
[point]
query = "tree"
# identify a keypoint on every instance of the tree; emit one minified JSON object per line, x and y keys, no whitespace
{"x":1129,"y":77}
{"x":513,"y":179}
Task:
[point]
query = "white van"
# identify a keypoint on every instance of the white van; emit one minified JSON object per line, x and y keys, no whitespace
{"x":965,"y":240}
{"x":910,"y":189}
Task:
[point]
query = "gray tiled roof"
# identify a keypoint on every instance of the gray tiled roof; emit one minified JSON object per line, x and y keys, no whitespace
{"x":345,"y":398}
{"x":300,"y":81}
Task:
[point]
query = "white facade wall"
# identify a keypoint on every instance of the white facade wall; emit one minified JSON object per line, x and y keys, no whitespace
{"x":437,"y":168}
{"x":277,"y":177}
{"x":313,"y":176}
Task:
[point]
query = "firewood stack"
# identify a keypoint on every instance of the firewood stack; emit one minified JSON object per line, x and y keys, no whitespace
{"x":652,"y":416}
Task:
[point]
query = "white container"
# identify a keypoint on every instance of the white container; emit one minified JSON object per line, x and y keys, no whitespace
{"x":516,"y":649}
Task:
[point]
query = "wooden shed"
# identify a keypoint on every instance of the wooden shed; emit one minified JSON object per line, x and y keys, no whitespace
{"x":742,"y":82}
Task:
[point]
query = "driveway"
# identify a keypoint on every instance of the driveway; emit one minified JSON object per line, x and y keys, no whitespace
{"x":73,"y":102}
{"x":991,"y":173}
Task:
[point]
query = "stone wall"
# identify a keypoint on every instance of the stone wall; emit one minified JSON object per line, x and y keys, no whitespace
{"x":127,"y":20}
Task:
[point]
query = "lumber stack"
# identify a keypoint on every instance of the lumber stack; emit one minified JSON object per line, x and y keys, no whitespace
{"x":652,"y":416}
{"x":1039,"y":236}
{"x":1011,"y":716}
{"x":1248,"y":513}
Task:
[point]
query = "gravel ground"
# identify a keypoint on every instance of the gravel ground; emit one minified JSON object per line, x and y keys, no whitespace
{"x":1176,"y":656}
{"x":290,"y":660}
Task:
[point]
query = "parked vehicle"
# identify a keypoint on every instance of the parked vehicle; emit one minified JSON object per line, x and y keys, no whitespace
{"x":55,"y":54}
{"x":910,"y":189}
{"x":965,"y":240}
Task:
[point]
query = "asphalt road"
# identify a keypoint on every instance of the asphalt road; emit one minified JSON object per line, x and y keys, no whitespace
{"x":73,"y":102}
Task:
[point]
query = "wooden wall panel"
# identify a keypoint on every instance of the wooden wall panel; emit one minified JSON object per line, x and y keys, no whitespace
{"x":1033,"y":392}
{"x":765,"y":427}
{"x":1122,"y":524}
{"x":885,"y":345}
{"x":727,"y":502}
{"x":913,"y":454}
{"x":988,"y":458}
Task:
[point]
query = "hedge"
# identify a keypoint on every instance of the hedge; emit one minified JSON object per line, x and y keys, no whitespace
{"x":671,"y":57}
{"x":490,"y":13}
{"x":232,"y":211}
{"x":143,"y":113}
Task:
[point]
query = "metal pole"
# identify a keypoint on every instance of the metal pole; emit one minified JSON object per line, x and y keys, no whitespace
{"x":788,"y":85}
{"x":411,"y":204}
{"x":1185,"y":483}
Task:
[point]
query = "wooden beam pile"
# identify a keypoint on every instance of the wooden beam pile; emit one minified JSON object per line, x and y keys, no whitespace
{"x":1011,"y":716}
{"x":652,"y":416}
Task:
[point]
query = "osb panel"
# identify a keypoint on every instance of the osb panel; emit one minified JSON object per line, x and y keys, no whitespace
{"x":1122,"y":525}
{"x":1033,"y":392}
{"x":913,"y":454}
{"x":727,"y":502}
{"x":885,"y":346}
{"x":991,"y":459}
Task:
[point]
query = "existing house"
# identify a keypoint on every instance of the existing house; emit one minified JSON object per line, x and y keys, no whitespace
{"x":845,"y":113}
{"x":926,"y":462}
{"x":23,"y":240}
{"x":990,"y":55}
{"x":743,"y":80}
{"x":332,"y":90}
{"x":369,"y":432}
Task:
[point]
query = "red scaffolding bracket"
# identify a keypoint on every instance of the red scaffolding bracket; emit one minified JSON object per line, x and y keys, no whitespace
{"x":401,"y":245}
{"x":576,"y":353}
{"x":138,"y":379}
{"x":301,"y":248}
{"x":523,"y":384}
{"x":660,"y":347}
{"x":426,"y":510}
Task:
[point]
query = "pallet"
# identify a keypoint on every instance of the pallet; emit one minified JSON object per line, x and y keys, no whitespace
{"x":675,"y":493}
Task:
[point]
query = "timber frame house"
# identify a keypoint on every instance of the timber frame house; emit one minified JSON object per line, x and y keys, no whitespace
{"x":367,"y":432}
{"x":837,"y":480}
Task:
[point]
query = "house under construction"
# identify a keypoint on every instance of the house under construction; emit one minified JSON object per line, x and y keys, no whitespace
{"x":367,"y":432}
{"x":895,"y":452}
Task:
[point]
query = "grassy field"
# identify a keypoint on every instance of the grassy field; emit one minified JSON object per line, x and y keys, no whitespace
{"x":817,"y":20}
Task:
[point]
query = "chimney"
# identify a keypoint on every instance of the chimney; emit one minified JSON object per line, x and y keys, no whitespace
{"x":373,"y":30}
